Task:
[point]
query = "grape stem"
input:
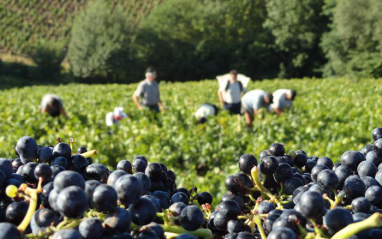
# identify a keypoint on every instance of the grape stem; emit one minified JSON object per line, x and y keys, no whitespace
{"x":255,"y":176}
{"x":32,"y":193}
{"x":205,"y":233}
{"x":89,"y":153}
{"x":260,"y":226}
{"x":374,"y":220}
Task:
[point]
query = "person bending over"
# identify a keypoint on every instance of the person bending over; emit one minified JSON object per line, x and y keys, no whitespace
{"x":52,"y":104}
{"x":253,"y":101}
{"x":282,"y":99}
{"x":205,"y":111}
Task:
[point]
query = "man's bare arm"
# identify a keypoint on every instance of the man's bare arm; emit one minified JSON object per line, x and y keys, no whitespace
{"x":136,"y":101}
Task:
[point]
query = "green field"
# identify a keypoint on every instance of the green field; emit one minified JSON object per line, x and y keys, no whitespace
{"x":328,"y":118}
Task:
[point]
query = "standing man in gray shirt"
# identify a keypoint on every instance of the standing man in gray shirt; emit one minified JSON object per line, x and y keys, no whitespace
{"x":253,"y":101}
{"x":148,"y":91}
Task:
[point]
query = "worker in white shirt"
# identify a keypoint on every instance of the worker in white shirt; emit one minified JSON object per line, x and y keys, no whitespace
{"x":205,"y":111}
{"x":114,"y":117}
{"x":230,"y":93}
{"x":282,"y":99}
{"x":252,"y":102}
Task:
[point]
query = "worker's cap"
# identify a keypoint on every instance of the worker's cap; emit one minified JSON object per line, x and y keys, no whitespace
{"x":118,"y":112}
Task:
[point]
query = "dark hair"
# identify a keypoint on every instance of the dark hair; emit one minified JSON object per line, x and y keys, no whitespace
{"x":233,"y":72}
{"x":294,"y":93}
{"x":270,"y":97}
{"x":150,"y":70}
{"x":201,"y":120}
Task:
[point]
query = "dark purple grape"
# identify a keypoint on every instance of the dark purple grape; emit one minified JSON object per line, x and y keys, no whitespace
{"x":104,"y":198}
{"x":361,"y":204}
{"x":229,"y":208}
{"x":163,"y":198}
{"x":78,"y":163}
{"x":142,"y":212}
{"x":235,"y":184}
{"x":145,"y":180}
{"x":277,"y":149}
{"x":98,"y":172}
{"x":354,"y":187}
{"x":327,"y":179}
{"x":374,"y":158}
{"x":16,"y":211}
{"x":28,"y":172}
{"x":45,"y":155}
{"x":82,"y":150}
{"x":176,"y":208}
{"x":291,"y":184}
{"x":191,"y":218}
{"x":336,"y":219}
{"x":265,"y":207}
{"x":6,"y":167}
{"x":61,"y":161}
{"x":139,"y":165}
{"x":204,"y":197}
{"x":129,"y":189}
{"x":378,"y":177}
{"x":374,"y":195}
{"x":376,"y":134}
{"x":114,"y":176}
{"x":300,"y":159}
{"x":236,"y":198}
{"x":369,"y":181}
{"x":311,"y":204}
{"x":91,"y":228}
{"x":26,"y":148}
{"x":72,"y":202}
{"x":90,"y":186}
{"x":44,"y":171}
{"x":282,"y":233}
{"x":366,"y":168}
{"x":283,"y":172}
{"x":157,"y":229}
{"x":67,"y":233}
{"x":245,"y":235}
{"x":316,"y":170}
{"x":180,"y":197}
{"x":247,"y":162}
{"x":42,"y":219}
{"x":309,"y":165}
{"x":351,"y":159}
{"x":125,"y":165}
{"x":171,"y":175}
{"x":342,"y":173}
{"x":53,"y":195}
{"x":236,"y":226}
{"x":56,"y":169}
{"x":62,"y":149}
{"x":68,"y":178}
{"x":268,"y":165}
{"x":368,"y":148}
{"x":264,"y":154}
{"x":153,"y":170}
{"x":118,"y":221}
{"x":185,"y":236}
{"x":9,"y":231}
{"x":325,"y":161}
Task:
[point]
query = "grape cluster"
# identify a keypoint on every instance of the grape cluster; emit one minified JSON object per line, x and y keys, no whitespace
{"x":51,"y":192}
{"x":296,"y":196}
